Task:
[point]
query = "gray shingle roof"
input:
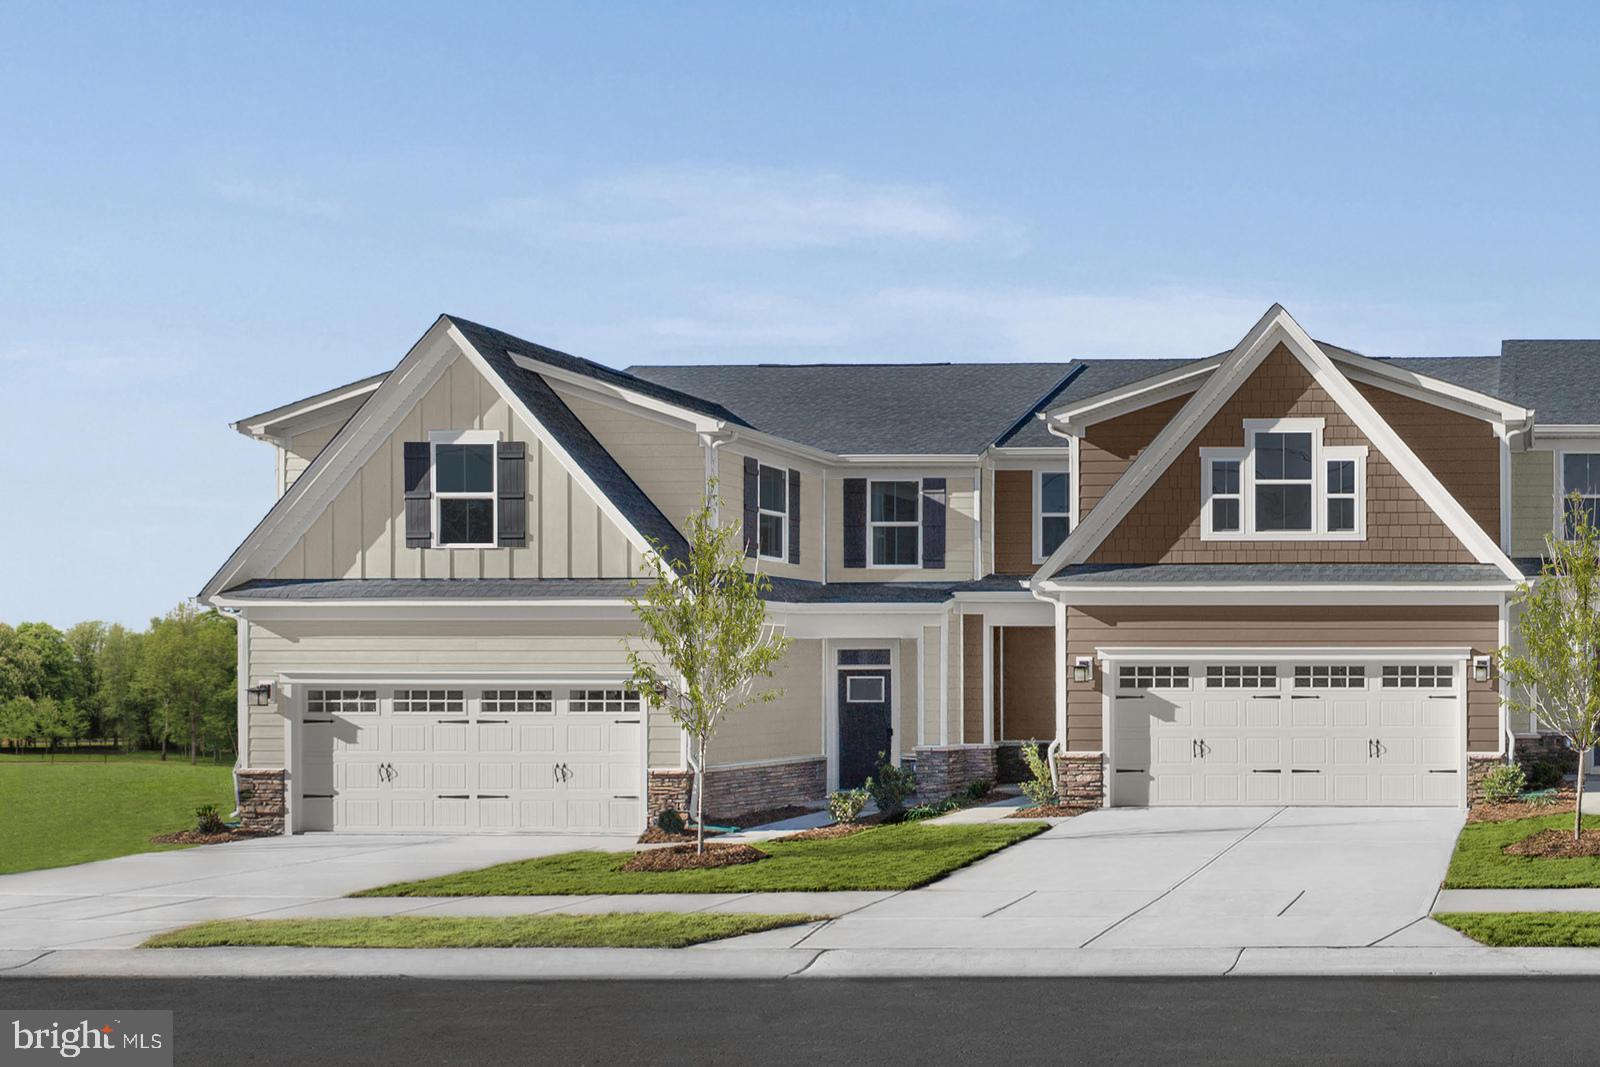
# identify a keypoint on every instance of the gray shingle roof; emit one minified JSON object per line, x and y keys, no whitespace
{"x":784,"y":590}
{"x":875,"y":408}
{"x":1316,"y":573}
{"x":1560,"y":380}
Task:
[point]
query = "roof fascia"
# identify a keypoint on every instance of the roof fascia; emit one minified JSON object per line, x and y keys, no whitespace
{"x":1222,"y":594}
{"x":292,"y":514}
{"x":307,"y":413}
{"x":1275,"y":327}
{"x":700,"y":420}
{"x":453,"y":610}
{"x":1076,"y":417}
{"x":1430,"y":390}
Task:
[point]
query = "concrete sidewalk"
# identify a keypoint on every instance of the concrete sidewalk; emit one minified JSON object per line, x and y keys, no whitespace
{"x":1517,"y":900}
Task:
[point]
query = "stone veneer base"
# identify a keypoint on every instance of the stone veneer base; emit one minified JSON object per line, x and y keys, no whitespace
{"x":261,"y":800}
{"x":945,"y":770}
{"x":736,"y":791}
{"x":1082,"y":779}
{"x":1009,"y":766}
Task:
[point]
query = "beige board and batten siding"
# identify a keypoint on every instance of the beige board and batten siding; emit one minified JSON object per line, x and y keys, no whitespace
{"x":1521,"y":722}
{"x":905,"y":696}
{"x":299,"y":450}
{"x":931,"y":681}
{"x":730,"y":482}
{"x":1301,"y":626}
{"x":362,"y":533}
{"x":788,"y":727}
{"x":563,"y":650}
{"x":960,"y":512}
{"x":1533,"y":501}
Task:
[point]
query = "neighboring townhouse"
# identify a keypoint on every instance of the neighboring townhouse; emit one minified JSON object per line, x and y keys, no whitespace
{"x":1276,"y":575}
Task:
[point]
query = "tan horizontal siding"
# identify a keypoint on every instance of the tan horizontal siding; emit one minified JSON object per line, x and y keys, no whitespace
{"x":1013,"y":522}
{"x":1027,"y":683}
{"x":1461,"y":451}
{"x":972,"y":679}
{"x":790,"y":726}
{"x":1533,"y":501}
{"x":1092,"y":628}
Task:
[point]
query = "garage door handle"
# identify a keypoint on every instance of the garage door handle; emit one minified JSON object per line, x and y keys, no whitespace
{"x":455,"y":796}
{"x":1264,"y":770}
{"x":494,"y":796}
{"x":482,"y":722}
{"x":1450,"y":771}
{"x":453,"y":722}
{"x":625,"y":796}
{"x":1304,"y":770}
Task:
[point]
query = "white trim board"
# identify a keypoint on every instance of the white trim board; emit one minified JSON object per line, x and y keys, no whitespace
{"x":1276,"y":327}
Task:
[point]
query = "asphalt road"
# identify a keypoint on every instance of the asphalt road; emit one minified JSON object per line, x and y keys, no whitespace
{"x":416,"y":1023}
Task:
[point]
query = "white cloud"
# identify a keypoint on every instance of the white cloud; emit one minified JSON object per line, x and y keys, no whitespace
{"x":285,"y":196}
{"x":744,"y":208}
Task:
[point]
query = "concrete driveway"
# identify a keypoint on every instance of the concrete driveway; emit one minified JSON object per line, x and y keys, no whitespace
{"x":120,"y":902}
{"x":1183,"y":878}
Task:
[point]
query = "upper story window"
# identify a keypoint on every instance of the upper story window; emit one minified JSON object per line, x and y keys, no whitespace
{"x":1052,"y":512}
{"x":772,"y":513}
{"x":894,"y":523}
{"x":464,"y":488}
{"x":1285,"y":484}
{"x":1580,"y":473}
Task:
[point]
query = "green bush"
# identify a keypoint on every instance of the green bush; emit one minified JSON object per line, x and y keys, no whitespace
{"x":1504,"y":783}
{"x":1039,"y":786}
{"x":670,"y":822}
{"x":846,"y":804}
{"x":1545,"y":775}
{"x":976,"y":791}
{"x":207,"y":820}
{"x":889,"y":787}
{"x":929,"y":811}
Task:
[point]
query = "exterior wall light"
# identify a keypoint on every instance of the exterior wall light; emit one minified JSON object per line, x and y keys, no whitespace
{"x":1480,"y":668}
{"x":260,"y":695}
{"x":1082,"y":669}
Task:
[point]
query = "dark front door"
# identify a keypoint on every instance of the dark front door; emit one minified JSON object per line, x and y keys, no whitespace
{"x":864,"y":729}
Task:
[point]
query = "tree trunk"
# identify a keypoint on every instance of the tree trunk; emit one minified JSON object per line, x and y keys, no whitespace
{"x":1577,"y":808}
{"x":700,"y":799}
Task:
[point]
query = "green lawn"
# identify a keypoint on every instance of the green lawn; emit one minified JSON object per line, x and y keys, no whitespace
{"x":1528,"y":929}
{"x":1478,"y":862}
{"x":80,"y":808}
{"x":887,"y":857}
{"x":627,"y":930}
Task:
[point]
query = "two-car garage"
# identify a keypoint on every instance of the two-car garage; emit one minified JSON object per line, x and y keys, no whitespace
{"x":1312,"y":729}
{"x":453,"y":757}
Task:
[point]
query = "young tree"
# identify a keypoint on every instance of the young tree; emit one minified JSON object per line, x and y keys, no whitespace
{"x":706,"y":640}
{"x":1555,"y":675}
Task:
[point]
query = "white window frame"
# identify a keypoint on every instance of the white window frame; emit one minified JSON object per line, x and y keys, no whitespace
{"x":465,"y":437}
{"x":1559,"y":520}
{"x":1039,"y":514}
{"x":1320,"y":455}
{"x":783,"y":527}
{"x":872,"y":563}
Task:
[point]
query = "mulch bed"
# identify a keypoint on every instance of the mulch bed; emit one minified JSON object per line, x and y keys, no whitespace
{"x":1556,"y":844}
{"x":657,"y":836}
{"x":1517,"y":809}
{"x":684,"y":858}
{"x":195,"y":837}
{"x":832,"y":830}
{"x":1050,"y":811}
{"x":760,"y":818}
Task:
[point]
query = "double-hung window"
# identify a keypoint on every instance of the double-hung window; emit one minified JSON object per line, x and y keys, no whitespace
{"x":894,"y":523}
{"x":1285,"y":484}
{"x":772,"y":513}
{"x":1052,"y":512}
{"x":464,"y":488}
{"x":1580,"y":473}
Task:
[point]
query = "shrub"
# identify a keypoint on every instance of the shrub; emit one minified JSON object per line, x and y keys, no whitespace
{"x":976,"y":791}
{"x":207,"y":820}
{"x":1504,"y":783}
{"x":1039,"y":786}
{"x":670,"y":822}
{"x":928,"y":811}
{"x":889,"y":787}
{"x":1545,"y":775}
{"x":846,"y":804}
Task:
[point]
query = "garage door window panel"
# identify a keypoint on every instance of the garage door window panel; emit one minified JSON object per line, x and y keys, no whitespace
{"x":1418,"y":676}
{"x":1154,"y":676}
{"x":1330,"y":676}
{"x":518,"y":702}
{"x":1241,"y":676}
{"x":430,"y":702}
{"x":341,"y":702}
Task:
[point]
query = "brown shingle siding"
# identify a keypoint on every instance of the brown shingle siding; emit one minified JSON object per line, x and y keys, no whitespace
{"x":1013,"y":522}
{"x":1164,"y":526}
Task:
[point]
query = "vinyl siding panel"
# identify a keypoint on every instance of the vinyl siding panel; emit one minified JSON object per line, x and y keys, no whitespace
{"x":300,"y":450}
{"x":563,"y":649}
{"x":362,"y":533}
{"x":664,"y":458}
{"x":730,"y":465}
{"x":1026,"y":681}
{"x":1533,"y":501}
{"x":1109,"y":448}
{"x":905,"y":695}
{"x":932,"y":679}
{"x":1164,"y":526}
{"x":1090,"y":628}
{"x":1013,"y":522}
{"x":1461,"y":451}
{"x":790,"y":726}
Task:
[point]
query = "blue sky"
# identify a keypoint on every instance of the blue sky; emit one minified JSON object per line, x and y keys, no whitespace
{"x":208,"y":211}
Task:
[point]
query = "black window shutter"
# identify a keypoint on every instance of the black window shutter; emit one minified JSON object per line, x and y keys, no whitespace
{"x":855,"y":522}
{"x":932,"y":523}
{"x":794,"y":516}
{"x":512,"y":493}
{"x":419,"y":502}
{"x":752,"y":497}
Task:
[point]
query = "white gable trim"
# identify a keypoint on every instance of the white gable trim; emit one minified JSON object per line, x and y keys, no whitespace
{"x":1276,"y":327}
{"x":1076,"y":417}
{"x":293,"y":515}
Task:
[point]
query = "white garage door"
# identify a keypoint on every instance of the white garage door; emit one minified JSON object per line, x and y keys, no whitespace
{"x":1286,"y":733}
{"x":449,"y":758}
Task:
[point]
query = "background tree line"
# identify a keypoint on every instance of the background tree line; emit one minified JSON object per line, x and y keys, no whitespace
{"x":169,"y":685}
